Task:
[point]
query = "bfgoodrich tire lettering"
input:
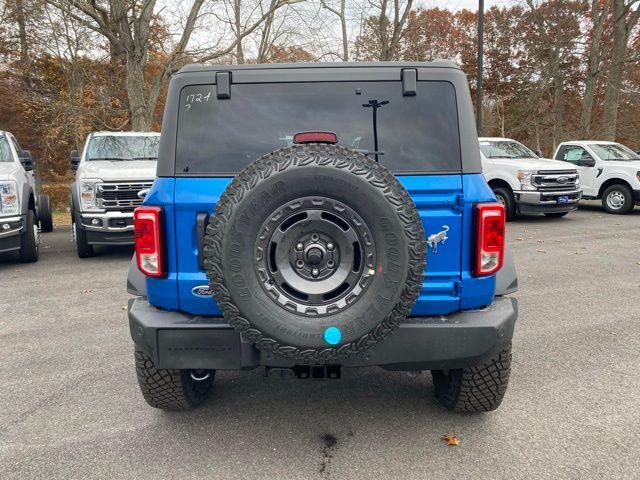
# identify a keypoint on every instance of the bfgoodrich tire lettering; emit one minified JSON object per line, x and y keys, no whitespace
{"x":343,"y":176}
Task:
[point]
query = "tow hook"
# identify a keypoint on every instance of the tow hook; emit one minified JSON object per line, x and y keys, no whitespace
{"x":316,"y":372}
{"x":199,"y":375}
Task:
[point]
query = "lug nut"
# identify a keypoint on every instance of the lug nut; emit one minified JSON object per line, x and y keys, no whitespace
{"x":315,"y":272}
{"x":330,"y":246}
{"x":315,"y":237}
{"x":330,"y":264}
{"x":300,"y":264}
{"x":299,"y":246}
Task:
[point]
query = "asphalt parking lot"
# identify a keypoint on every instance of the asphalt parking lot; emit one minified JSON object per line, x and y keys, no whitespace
{"x":71,"y":406}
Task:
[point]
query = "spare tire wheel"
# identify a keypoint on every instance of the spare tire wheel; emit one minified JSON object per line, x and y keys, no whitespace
{"x":315,"y":252}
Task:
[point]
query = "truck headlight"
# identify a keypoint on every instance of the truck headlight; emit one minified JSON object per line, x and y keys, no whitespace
{"x":9,"y":202}
{"x":525,"y":179}
{"x":89,"y":200}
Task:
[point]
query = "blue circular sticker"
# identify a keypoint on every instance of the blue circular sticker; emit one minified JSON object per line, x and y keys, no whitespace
{"x":332,"y":335}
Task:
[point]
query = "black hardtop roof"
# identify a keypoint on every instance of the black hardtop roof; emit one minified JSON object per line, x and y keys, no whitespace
{"x":199,"y":67}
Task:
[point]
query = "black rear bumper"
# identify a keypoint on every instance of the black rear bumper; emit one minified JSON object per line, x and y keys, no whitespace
{"x":181,"y":341}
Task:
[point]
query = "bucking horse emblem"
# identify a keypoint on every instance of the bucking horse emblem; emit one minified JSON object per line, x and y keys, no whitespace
{"x":437,"y":238}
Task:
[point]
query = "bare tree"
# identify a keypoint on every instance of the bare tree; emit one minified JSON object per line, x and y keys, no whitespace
{"x":553,"y":42}
{"x":388,"y":26}
{"x":340,"y":12}
{"x":624,"y":19}
{"x":598,"y":17}
{"x":127,"y":27}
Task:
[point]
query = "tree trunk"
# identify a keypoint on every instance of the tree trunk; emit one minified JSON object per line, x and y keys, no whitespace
{"x":558,"y":80}
{"x":593,"y":65}
{"x":623,"y":24}
{"x":237,"y":21}
{"x":141,"y":113}
{"x":345,"y":38}
{"x":24,"y":45}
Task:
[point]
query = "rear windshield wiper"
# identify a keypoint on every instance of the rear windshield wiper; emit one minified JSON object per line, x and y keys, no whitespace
{"x":117,"y":159}
{"x":144,"y":158}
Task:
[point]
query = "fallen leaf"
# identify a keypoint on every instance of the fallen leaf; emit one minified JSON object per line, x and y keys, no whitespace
{"x":519,"y":239}
{"x":542,"y":251}
{"x":540,"y":241}
{"x":87,"y":291}
{"x":451,"y":440}
{"x":18,"y":270}
{"x":124,"y":308}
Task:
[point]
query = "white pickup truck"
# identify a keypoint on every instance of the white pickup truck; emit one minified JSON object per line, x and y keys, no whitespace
{"x":526,"y":183}
{"x":21,"y":210}
{"x":608,"y":171}
{"x":112,"y":170}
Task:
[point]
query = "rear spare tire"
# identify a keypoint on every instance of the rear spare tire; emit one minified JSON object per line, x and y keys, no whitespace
{"x":315,"y":252}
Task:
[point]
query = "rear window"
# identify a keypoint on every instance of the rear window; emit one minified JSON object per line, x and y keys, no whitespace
{"x":415,"y":134}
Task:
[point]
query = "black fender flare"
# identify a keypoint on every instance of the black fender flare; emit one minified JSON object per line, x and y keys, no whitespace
{"x":507,"y":278}
{"x":27,"y":199}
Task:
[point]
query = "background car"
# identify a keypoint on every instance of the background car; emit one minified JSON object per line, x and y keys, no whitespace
{"x":22,"y":213}
{"x":609,"y":171}
{"x":112,"y":170}
{"x":526,"y":183}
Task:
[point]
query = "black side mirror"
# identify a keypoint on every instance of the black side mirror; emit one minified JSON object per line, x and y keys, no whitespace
{"x":587,"y":162}
{"x":538,"y":153}
{"x":74,"y":159}
{"x":26,"y":159}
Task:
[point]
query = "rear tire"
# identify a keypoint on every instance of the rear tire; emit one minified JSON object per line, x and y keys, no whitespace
{"x":555,"y":214}
{"x":171,"y":389}
{"x":505,"y":196}
{"x":480,"y":388}
{"x":44,"y":213}
{"x":82,"y":246}
{"x":617,"y":199}
{"x":29,"y":250}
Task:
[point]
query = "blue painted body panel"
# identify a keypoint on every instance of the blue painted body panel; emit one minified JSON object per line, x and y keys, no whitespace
{"x":441,"y":200}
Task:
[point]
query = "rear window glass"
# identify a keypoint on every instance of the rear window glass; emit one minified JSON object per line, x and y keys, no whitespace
{"x":415,"y":134}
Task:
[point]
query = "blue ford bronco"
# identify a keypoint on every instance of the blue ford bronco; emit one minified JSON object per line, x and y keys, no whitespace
{"x":312,"y":217}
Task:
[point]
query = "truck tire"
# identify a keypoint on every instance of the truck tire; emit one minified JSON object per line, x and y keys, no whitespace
{"x":617,"y":199}
{"x":82,"y":246}
{"x":171,"y":389}
{"x":555,"y":214}
{"x":44,"y":213}
{"x":480,"y":388}
{"x":29,"y":241}
{"x":315,"y":252}
{"x":505,"y":196}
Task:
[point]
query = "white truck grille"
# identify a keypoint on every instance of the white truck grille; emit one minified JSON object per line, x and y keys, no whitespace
{"x":122,"y":196}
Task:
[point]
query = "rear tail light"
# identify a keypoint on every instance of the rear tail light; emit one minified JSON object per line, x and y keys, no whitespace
{"x":490,"y":223}
{"x":315,"y":137}
{"x":147,"y":232}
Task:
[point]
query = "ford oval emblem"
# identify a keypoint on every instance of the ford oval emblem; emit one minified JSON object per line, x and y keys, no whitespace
{"x":202,"y":291}
{"x":562,"y":180}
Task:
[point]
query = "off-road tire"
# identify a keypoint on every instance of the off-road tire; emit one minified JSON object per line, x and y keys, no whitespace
{"x":294,"y":168}
{"x":555,"y":214}
{"x":628,"y":199}
{"x":84,"y":249}
{"x":170,"y":389}
{"x":44,"y":213}
{"x":480,"y":388}
{"x":505,"y":196}
{"x":29,"y":248}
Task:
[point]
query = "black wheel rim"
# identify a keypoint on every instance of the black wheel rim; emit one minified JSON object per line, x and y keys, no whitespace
{"x":315,"y":256}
